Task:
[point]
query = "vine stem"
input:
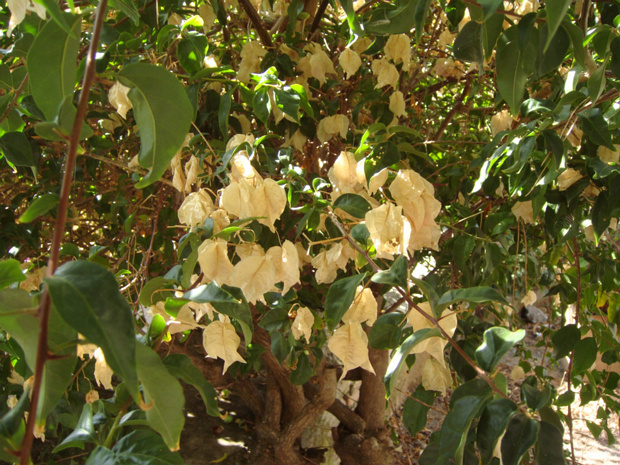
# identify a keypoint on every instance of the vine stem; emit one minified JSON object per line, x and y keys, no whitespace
{"x":572,"y":354}
{"x":435,"y":322}
{"x":43,"y":354}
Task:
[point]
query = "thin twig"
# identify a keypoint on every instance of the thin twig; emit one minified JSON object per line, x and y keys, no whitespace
{"x":317,"y":18}
{"x":44,"y":308}
{"x":258,"y":24}
{"x":15,"y":98}
{"x":572,"y":354}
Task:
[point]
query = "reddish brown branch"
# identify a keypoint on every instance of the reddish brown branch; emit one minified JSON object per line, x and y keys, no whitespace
{"x":258,"y":24}
{"x":59,"y":228}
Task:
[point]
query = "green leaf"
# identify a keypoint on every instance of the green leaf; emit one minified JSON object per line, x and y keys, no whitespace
{"x":288,"y":101}
{"x":576,"y":38}
{"x":393,"y":18}
{"x":489,"y":7}
{"x":209,"y":293}
{"x":39,"y":207}
{"x":181,"y":366}
{"x":87,"y":297}
{"x":466,"y":403}
{"x":585,"y":353}
{"x":421,"y":10}
{"x":535,"y":398}
{"x":396,"y":275}
{"x":224,"y":112}
{"x":261,"y":104}
{"x":163,"y":113}
{"x":514,"y":65}
{"x":462,"y":249}
{"x":416,"y":409}
{"x":163,"y":396}
{"x":550,"y":446}
{"x":10,"y":272}
{"x":355,"y":205}
{"x":429,"y":293}
{"x":16,"y":148}
{"x":386,"y":331}
{"x":397,"y":360}
{"x":556,"y":11}
{"x":614,"y":63}
{"x":191,"y":53}
{"x":339,"y":298}
{"x":303,"y":370}
{"x":239,"y":311}
{"x":596,"y":82}
{"x":497,"y":342}
{"x":564,"y":340}
{"x":275,"y":319}
{"x":551,"y":56}
{"x":13,"y":421}
{"x":129,"y":8}
{"x":492,"y":425}
{"x":52,"y":65}
{"x":491,"y":30}
{"x":18,"y":318}
{"x":471,"y":294}
{"x":468,"y":44}
{"x":84,"y":431}
{"x":596,"y":128}
{"x":57,"y":15}
{"x":520,"y":436}
{"x":142,"y":447}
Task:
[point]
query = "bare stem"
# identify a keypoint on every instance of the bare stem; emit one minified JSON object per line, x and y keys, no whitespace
{"x":572,"y":354}
{"x":43,"y":354}
{"x":258,"y":24}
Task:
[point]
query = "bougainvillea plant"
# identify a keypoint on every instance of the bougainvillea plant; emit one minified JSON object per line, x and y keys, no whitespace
{"x":377,"y":193}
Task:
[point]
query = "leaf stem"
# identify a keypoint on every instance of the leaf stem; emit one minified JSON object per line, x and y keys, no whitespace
{"x":43,"y":354}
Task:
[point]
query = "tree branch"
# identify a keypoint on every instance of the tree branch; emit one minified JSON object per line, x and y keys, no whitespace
{"x":59,"y":228}
{"x":258,"y":24}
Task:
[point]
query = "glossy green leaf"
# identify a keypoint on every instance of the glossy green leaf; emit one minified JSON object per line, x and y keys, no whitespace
{"x":239,"y":310}
{"x":191,"y":53}
{"x":39,"y":207}
{"x":142,"y":447}
{"x":393,"y":18}
{"x":489,"y":7}
{"x":10,"y":273}
{"x":396,"y":275}
{"x":415,"y":410}
{"x":261,"y":104}
{"x":129,"y":8}
{"x":462,"y":249}
{"x":430,"y":294}
{"x":399,"y":356}
{"x":16,"y":148}
{"x":302,"y":372}
{"x":492,"y":425}
{"x":550,"y":57}
{"x":224,"y":112}
{"x":497,"y":342}
{"x":466,"y":404}
{"x":163,"y":113}
{"x":520,"y":436}
{"x":163,"y":396}
{"x":87,"y":297}
{"x":576,"y":37}
{"x":535,"y":398}
{"x":596,"y":82}
{"x":57,"y":15}
{"x":471,"y":294}
{"x":157,"y":289}
{"x":84,"y":431}
{"x":13,"y":421}
{"x":355,"y":205}
{"x":585,"y":353}
{"x":288,"y":101}
{"x":386,"y":331}
{"x":564,"y":340}
{"x":52,"y":65}
{"x":421,"y":11}
{"x":18,"y":317}
{"x":556,"y":11}
{"x":275,"y":319}
{"x":550,"y":445}
{"x":339,"y":298}
{"x":468,"y":44}
{"x":596,"y":128}
{"x":181,"y":366}
{"x":514,"y":65}
{"x":209,"y":293}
